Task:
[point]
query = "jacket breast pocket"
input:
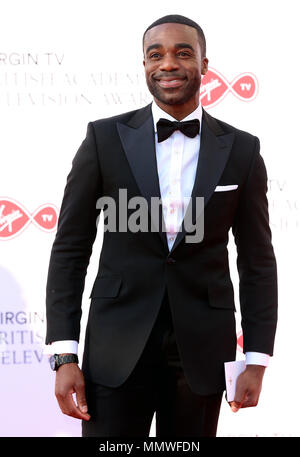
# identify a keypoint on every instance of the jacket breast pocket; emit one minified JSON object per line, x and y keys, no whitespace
{"x":106,"y":286}
{"x":221,"y":296}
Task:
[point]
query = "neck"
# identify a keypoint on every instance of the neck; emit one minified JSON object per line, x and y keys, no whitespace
{"x":179,"y":111}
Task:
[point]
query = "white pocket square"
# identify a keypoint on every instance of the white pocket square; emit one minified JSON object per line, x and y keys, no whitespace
{"x":225,"y":188}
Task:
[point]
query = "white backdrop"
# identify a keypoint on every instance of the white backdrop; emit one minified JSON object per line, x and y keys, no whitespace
{"x":63,"y":64}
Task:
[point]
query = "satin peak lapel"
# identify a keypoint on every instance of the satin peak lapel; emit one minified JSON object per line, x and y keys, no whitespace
{"x":214,"y":152}
{"x":137,"y":137}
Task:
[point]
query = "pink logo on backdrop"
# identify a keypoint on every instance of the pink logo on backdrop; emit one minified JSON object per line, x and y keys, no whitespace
{"x":240,"y":341}
{"x":14,"y":218}
{"x":215,"y":87}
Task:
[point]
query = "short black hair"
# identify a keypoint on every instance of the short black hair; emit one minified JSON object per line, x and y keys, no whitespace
{"x":178,"y":19}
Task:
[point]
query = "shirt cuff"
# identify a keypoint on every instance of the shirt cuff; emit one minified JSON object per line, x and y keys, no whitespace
{"x":257,"y":358}
{"x":62,"y":347}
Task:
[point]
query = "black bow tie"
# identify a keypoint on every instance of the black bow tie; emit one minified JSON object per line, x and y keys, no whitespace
{"x":165,"y":128}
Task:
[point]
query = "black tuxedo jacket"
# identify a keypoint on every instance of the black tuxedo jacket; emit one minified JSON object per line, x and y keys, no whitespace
{"x":136,"y":268}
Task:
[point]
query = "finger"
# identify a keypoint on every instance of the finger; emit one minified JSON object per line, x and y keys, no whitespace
{"x":240,"y":394}
{"x":235,"y":406}
{"x":250,"y":401}
{"x":68,"y":407}
{"x":239,"y":399}
{"x":81,"y":398}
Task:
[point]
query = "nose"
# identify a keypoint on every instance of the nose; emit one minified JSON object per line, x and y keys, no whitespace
{"x":168,"y":63}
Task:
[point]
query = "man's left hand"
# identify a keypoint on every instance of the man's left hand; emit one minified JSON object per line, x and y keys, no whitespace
{"x":248,"y":387}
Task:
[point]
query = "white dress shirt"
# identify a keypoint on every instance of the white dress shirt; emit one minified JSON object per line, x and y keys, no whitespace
{"x":177,"y":159}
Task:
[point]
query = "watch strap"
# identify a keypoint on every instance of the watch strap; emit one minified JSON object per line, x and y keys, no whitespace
{"x":63,"y":359}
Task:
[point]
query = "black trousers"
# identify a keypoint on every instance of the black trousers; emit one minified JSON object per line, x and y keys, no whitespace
{"x":156,"y":385}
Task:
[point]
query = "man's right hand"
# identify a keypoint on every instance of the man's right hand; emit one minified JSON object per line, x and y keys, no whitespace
{"x":70,"y":380}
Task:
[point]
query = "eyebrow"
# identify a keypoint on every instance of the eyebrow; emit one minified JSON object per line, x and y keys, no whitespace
{"x":184,"y":45}
{"x":153,"y":46}
{"x":177,"y":46}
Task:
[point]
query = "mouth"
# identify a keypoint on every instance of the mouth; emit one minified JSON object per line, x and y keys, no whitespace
{"x":167,"y":83}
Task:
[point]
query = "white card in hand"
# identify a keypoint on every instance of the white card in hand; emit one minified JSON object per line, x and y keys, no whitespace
{"x":232,"y":371}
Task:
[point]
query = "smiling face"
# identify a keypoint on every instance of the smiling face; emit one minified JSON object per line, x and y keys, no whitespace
{"x":173,"y":67}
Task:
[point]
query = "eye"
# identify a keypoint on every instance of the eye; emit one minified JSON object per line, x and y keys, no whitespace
{"x":154,"y":55}
{"x":184,"y":54}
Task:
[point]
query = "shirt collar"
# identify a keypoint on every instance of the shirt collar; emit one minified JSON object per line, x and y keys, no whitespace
{"x":157,"y":113}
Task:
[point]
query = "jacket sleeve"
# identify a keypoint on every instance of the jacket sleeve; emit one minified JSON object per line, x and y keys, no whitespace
{"x":256,"y":261}
{"x":72,"y":247}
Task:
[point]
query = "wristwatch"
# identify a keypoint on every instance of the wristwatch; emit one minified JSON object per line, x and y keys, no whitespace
{"x":57,"y":360}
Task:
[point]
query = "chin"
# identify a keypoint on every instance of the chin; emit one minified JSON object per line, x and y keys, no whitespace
{"x":170,"y":99}
{"x":173,"y":100}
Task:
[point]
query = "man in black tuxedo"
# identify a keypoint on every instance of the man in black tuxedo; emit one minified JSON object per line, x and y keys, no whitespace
{"x":161,"y":322}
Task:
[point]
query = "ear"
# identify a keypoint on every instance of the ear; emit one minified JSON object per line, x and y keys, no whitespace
{"x":204,"y":66}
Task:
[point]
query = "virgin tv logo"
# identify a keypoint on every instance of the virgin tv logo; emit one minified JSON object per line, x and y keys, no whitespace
{"x":240,"y":341}
{"x":14,"y":218}
{"x":214,"y":87}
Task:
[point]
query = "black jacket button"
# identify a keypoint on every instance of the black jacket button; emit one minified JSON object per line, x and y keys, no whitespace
{"x":170,"y":260}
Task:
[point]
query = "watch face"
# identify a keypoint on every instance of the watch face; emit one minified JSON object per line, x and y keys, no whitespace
{"x":52,"y":362}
